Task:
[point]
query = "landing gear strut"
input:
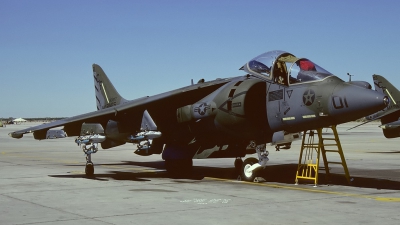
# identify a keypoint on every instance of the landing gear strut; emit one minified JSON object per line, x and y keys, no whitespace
{"x":91,"y":135}
{"x":251,"y":166}
{"x":89,"y":150}
{"x":89,"y":168}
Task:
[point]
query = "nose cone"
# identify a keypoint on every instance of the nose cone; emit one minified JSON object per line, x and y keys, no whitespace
{"x":350,"y":102}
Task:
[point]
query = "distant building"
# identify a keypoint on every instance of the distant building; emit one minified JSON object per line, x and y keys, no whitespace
{"x":19,"y":120}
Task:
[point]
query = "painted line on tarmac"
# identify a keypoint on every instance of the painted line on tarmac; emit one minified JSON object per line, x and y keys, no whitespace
{"x":37,"y":157}
{"x":387,"y":199}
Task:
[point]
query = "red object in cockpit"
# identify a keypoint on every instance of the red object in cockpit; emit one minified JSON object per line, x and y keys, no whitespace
{"x":307,"y":65}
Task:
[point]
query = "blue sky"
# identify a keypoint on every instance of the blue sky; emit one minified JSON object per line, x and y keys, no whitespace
{"x":149,"y":47}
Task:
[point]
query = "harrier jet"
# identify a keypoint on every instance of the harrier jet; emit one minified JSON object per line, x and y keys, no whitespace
{"x":278,"y":93}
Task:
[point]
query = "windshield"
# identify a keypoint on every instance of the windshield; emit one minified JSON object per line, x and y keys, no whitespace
{"x":262,"y":64}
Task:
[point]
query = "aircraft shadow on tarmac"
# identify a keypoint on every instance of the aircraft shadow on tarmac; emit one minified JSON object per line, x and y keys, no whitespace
{"x":284,"y":173}
{"x":387,"y":152}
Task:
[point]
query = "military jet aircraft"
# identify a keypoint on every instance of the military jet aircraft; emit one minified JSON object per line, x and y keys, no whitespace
{"x":230,"y":117}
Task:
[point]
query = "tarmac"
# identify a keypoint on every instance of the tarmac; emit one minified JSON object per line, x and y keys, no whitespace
{"x":43,"y":182}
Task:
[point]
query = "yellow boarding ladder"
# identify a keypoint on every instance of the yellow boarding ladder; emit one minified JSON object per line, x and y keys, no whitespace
{"x":308,"y":165}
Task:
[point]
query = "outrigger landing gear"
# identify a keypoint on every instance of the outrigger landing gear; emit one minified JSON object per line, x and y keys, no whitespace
{"x":89,"y":168}
{"x":251,"y":166}
{"x":91,"y":136}
{"x":88,"y":150}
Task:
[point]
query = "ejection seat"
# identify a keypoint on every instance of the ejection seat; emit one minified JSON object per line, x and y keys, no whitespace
{"x":279,"y":73}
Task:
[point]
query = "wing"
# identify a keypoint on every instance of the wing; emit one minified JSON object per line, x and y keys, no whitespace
{"x":162,"y":107}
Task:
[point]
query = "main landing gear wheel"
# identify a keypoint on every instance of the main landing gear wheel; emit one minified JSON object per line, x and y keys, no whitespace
{"x":89,"y":169}
{"x":248,"y":175}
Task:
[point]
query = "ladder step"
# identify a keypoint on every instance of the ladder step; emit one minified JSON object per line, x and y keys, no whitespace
{"x":335,"y":163}
{"x":331,"y":150}
{"x":311,"y":146}
{"x":330,"y":145}
{"x":331,"y":139}
{"x":307,"y":178}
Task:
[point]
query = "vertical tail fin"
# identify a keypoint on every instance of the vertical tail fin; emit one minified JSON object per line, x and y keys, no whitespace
{"x":106,"y":94}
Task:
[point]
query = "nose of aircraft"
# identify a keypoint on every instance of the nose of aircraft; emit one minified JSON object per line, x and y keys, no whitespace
{"x":350,"y":102}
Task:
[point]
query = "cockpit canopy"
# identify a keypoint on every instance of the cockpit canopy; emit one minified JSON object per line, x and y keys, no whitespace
{"x":285,"y":68}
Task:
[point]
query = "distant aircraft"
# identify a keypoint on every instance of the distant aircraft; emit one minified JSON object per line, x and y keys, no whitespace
{"x":390,"y":115}
{"x":231,"y":117}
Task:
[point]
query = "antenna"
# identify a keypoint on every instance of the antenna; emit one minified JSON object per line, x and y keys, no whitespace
{"x":348,"y":74}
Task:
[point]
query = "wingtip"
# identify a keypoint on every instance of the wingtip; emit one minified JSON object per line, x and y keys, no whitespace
{"x":15,"y":135}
